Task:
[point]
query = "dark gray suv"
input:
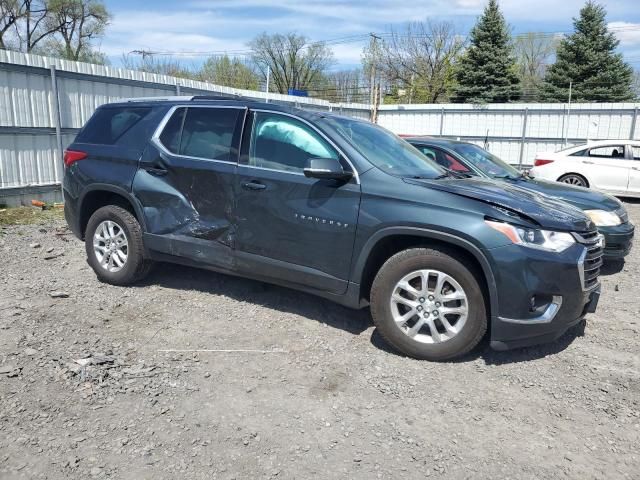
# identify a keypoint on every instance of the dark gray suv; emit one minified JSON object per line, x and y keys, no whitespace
{"x":335,"y":206}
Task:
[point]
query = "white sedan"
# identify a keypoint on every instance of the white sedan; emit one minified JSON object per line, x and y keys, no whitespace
{"x":609,"y":165}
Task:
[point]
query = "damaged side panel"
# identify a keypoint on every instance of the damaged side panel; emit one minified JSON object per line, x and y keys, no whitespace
{"x":188,"y":204}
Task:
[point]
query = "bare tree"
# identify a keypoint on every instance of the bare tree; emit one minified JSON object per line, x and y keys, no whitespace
{"x":78,"y":23}
{"x":292,"y":61}
{"x":11,"y":11}
{"x":533,"y":52}
{"x":417,"y":62}
{"x":342,"y":86}
{"x":34,"y":25}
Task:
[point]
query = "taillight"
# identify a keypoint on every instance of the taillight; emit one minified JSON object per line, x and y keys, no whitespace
{"x":539,"y":162}
{"x":72,"y":156}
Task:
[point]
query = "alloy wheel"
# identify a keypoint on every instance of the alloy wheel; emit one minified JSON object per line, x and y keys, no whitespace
{"x":429,"y":306}
{"x":110,"y":246}
{"x":574,"y":180}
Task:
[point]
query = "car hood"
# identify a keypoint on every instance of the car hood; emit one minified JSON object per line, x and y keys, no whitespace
{"x":581,"y":197}
{"x":541,"y":209}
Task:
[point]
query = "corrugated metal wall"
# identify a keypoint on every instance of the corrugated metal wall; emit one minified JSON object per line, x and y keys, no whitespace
{"x":516,"y":132}
{"x":28,"y":143}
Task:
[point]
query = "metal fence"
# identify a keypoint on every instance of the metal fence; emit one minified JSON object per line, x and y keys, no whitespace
{"x":516,"y":132}
{"x":44,"y":101}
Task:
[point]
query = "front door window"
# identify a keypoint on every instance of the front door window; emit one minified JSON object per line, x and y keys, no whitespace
{"x":279,"y":142}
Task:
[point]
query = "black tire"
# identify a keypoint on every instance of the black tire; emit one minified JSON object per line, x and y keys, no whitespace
{"x":406,"y":262}
{"x":136,"y":266}
{"x":574,"y":179}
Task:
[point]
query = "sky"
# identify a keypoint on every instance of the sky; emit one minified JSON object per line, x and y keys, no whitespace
{"x":219,"y":26}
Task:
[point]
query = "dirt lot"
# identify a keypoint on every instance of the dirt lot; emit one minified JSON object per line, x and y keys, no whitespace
{"x":264,"y":382}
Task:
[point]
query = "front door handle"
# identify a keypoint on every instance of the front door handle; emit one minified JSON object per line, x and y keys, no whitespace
{"x":253,"y":185}
{"x":158,"y":172}
{"x":588,"y":162}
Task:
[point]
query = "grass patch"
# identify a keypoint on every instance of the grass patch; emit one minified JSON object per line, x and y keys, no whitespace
{"x":29,"y":215}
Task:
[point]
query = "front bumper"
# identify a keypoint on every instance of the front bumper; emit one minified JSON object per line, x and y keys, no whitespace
{"x":618,"y":240}
{"x":540,"y":295}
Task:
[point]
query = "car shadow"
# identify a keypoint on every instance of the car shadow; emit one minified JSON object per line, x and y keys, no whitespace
{"x":494,"y":357}
{"x":611,"y":267}
{"x":324,"y":311}
{"x":179,"y":277}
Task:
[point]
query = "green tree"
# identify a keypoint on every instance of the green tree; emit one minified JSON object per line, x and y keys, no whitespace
{"x":588,"y":60}
{"x":487,"y":72}
{"x":230,"y":72}
{"x":78,"y":23}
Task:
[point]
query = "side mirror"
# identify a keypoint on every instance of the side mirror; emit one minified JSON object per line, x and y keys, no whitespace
{"x":326,"y":168}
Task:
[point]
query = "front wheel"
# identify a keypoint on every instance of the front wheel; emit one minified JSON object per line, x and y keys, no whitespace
{"x":113,"y":241}
{"x":428,"y":305}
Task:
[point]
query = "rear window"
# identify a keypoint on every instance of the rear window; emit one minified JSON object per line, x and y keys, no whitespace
{"x":108,"y":125}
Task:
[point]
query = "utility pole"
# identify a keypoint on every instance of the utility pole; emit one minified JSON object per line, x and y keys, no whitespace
{"x":267,"y":86}
{"x":376,"y":104}
{"x":144,"y":53}
{"x":566,"y":135}
{"x":374,"y":59}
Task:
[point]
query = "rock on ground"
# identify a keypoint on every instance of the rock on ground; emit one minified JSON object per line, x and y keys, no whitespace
{"x":192,"y":374}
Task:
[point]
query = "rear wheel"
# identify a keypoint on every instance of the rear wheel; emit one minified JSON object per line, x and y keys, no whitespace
{"x":574,"y":179}
{"x":113,"y":241}
{"x":428,"y":305}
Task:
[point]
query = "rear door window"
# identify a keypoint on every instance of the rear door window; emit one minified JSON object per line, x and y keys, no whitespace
{"x":108,"y":125}
{"x":208,"y":133}
{"x":610,"y":151}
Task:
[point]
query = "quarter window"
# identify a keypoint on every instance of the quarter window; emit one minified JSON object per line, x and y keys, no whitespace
{"x":170,"y":136}
{"x":636,"y":153}
{"x":283,"y":143}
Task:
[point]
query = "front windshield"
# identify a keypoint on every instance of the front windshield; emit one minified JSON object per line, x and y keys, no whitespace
{"x":486,"y":162}
{"x":384,"y":149}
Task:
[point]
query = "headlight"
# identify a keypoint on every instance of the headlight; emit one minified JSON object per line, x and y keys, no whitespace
{"x":530,"y":237}
{"x":602,"y":218}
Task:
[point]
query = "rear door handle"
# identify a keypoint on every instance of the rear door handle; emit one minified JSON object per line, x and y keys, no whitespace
{"x":253,"y":185}
{"x":159,"y":172}
{"x":589,"y":162}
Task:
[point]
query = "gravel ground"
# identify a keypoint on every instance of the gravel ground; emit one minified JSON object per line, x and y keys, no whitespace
{"x":193,"y":374}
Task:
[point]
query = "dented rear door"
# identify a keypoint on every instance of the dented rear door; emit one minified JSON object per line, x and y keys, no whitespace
{"x":185,"y":183}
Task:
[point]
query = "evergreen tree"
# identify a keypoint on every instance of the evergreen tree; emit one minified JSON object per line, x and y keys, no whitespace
{"x":487,"y":71}
{"x":587,"y":58}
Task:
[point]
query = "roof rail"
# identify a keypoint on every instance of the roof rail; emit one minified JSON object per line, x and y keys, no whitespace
{"x":175,"y":98}
{"x":220,"y":96}
{"x":185,"y":98}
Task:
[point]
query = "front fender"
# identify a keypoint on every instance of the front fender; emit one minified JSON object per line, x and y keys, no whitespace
{"x":467,"y":245}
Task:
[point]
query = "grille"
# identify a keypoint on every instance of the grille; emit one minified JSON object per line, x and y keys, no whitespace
{"x":590,"y":268}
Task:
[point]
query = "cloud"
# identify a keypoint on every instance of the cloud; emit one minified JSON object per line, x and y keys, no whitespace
{"x":228,"y":25}
{"x":628,"y":33}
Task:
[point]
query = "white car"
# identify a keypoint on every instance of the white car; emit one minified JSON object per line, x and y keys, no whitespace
{"x":609,"y":165}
